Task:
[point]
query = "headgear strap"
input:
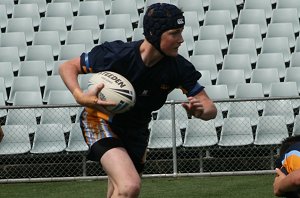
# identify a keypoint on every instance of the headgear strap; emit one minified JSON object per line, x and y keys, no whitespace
{"x":159,"y":18}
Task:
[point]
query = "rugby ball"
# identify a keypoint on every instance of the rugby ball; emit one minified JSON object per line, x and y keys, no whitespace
{"x":116,"y":88}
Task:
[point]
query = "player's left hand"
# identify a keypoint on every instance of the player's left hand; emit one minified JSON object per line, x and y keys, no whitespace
{"x":194,"y":107}
{"x":276,"y":185}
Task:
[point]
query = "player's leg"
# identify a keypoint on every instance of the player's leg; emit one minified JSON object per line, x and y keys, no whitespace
{"x":122,"y":173}
{"x":110,"y":188}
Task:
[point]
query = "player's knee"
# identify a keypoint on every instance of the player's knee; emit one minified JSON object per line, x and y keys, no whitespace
{"x":130,"y":189}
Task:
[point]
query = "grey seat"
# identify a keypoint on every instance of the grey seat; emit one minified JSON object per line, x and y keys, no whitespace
{"x":7,"y":73}
{"x":87,"y":8}
{"x":27,"y":10}
{"x":292,"y":75}
{"x":10,"y":54}
{"x":49,"y":138}
{"x":271,"y":60}
{"x":16,"y":140}
{"x":244,"y":109}
{"x":286,"y":15}
{"x":219,"y":17}
{"x":236,"y":131}
{"x":254,"y":16}
{"x":34,"y":68}
{"x":243,"y":46}
{"x":76,"y":142}
{"x":279,"y":108}
{"x":23,"y":24}
{"x":14,"y":39}
{"x":277,"y":45}
{"x":271,"y":130}
{"x":205,"y":62}
{"x":62,"y":9}
{"x":238,"y":61}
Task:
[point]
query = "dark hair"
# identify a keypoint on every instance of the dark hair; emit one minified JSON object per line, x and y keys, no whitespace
{"x":287,"y":142}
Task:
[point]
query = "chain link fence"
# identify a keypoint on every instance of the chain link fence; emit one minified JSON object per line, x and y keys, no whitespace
{"x":46,"y":141}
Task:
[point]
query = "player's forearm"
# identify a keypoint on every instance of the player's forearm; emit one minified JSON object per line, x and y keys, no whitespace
{"x":209,"y":112}
{"x":290,"y":183}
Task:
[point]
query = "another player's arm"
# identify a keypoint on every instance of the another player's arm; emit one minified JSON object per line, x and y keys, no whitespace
{"x":286,"y":183}
{"x":69,"y":72}
{"x":201,"y":106}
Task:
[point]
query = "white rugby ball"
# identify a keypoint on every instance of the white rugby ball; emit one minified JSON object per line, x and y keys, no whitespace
{"x":116,"y":88}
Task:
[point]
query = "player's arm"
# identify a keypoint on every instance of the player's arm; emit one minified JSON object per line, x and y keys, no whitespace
{"x":69,"y":72}
{"x":201,"y":106}
{"x":1,"y":134}
{"x":286,"y":183}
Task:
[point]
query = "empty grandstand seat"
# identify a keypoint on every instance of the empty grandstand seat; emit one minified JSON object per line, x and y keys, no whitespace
{"x":212,"y":32}
{"x":21,"y":25}
{"x":27,"y":10}
{"x":292,"y":75}
{"x":14,"y":39}
{"x":112,"y":35}
{"x":88,"y":22}
{"x":243,"y":46}
{"x":40,"y":53}
{"x":282,"y":30}
{"x":10,"y":54}
{"x":277,"y":45}
{"x":244,"y":109}
{"x":53,"y":83}
{"x":76,"y":142}
{"x":286,"y":15}
{"x":205,"y":62}
{"x":80,"y":37}
{"x":238,"y":61}
{"x":125,"y":7}
{"x":6,"y":73}
{"x":69,"y":51}
{"x":34,"y":68}
{"x":42,"y":4}
{"x":87,"y":8}
{"x":279,"y":108}
{"x":16,"y":140}
{"x":229,"y":5}
{"x":74,"y":4}
{"x":271,"y":60}
{"x":254,"y":16}
{"x":54,"y":24}
{"x":209,"y":47}
{"x":248,"y":31}
{"x":192,"y":5}
{"x":62,"y":9}
{"x":53,"y":39}
{"x":219,"y":17}
{"x":119,"y":21}
{"x":266,"y":5}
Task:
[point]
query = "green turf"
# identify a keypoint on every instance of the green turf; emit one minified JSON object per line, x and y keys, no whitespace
{"x":258,"y":186}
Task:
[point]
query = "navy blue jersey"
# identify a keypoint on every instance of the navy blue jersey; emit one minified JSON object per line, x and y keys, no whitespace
{"x":151,"y":84}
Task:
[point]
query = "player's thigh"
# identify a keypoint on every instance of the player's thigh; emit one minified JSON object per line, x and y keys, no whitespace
{"x":119,"y":167}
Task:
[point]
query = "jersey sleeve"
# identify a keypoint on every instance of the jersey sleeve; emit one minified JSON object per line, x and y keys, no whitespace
{"x":189,"y":78}
{"x":100,"y":58}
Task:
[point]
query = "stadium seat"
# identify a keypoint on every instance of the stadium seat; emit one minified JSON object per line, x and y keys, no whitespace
{"x":40,"y":53}
{"x":89,"y":22}
{"x":177,"y":95}
{"x":254,"y":16}
{"x":76,"y":142}
{"x":16,"y":140}
{"x":219,"y":17}
{"x":107,"y":4}
{"x":14,"y":39}
{"x":277,"y":45}
{"x":59,"y":115}
{"x":214,"y":32}
{"x":292,"y":75}
{"x":63,"y":9}
{"x":265,"y":77}
{"x":297,"y":45}
{"x":9,"y":4}
{"x":29,"y":98}
{"x":285,"y":89}
{"x":191,"y":19}
{"x":248,"y":31}
{"x":74,"y":4}
{"x":249,"y":91}
{"x":3,"y":112}
{"x":271,"y":60}
{"x":23,"y":83}
{"x":63,"y":97}
{"x":209,"y":47}
{"x":218,"y":92}
{"x":295,"y":59}
{"x":10,"y":54}
{"x":80,"y":37}
{"x":288,"y":4}
{"x":125,"y":7}
{"x":231,"y":78}
{"x":21,"y":25}
{"x":200,"y":133}
{"x":119,"y":21}
{"x":53,"y":83}
{"x":54,"y":24}
{"x":192,"y":5}
{"x":236,"y":131}
{"x":138,"y":34}
{"x":282,"y":30}
{"x":150,"y":2}
{"x":112,"y":35}
{"x":42,"y":4}
{"x":286,"y":15}
{"x":161,"y":135}
{"x":183,"y":51}
{"x":53,"y":39}
{"x":70,"y":51}
{"x":3,"y":16}
{"x":27,"y":10}
{"x":6,"y":73}
{"x":243,"y":46}
{"x":22,"y":117}
{"x":87,"y":8}
{"x":56,"y":64}
{"x":3,"y":88}
{"x":296,"y":128}
{"x":34,"y":68}
{"x":141,"y":19}
{"x":271,"y":130}
{"x":244,"y":109}
{"x":279,"y":108}
{"x":266,"y":5}
{"x":165,"y":113}
{"x":49,"y":138}
{"x":83,"y":80}
{"x":205,"y":62}
{"x":229,"y":5}
{"x":205,"y":78}
{"x":238,"y":61}
{"x":188,"y":37}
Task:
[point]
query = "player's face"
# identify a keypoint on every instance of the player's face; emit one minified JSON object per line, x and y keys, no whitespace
{"x":170,"y":41}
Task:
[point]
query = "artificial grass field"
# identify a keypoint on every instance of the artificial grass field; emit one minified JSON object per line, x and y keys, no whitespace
{"x":254,"y":186}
